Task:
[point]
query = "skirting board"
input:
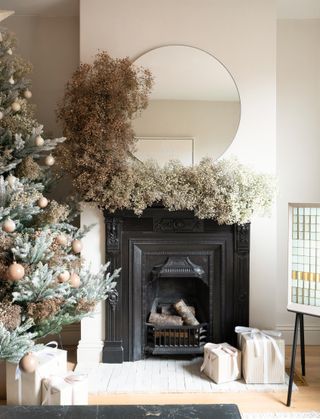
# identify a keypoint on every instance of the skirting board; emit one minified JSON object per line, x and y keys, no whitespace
{"x":311,"y":333}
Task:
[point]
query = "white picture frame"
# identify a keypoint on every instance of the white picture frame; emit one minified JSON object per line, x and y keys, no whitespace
{"x":164,"y":149}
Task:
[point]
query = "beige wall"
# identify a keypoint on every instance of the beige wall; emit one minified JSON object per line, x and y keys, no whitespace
{"x":52,"y":46}
{"x":298,"y":139}
{"x":212,"y":124}
{"x":242,"y":35}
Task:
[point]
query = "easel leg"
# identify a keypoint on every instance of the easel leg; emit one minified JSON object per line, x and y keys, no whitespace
{"x":293,"y":357}
{"x":303,"y":358}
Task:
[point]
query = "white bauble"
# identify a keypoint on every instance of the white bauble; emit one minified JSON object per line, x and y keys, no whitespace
{"x":11,"y":80}
{"x":9,"y":51}
{"x":49,"y":160}
{"x":64,"y":276}
{"x":1,"y":115}
{"x":9,"y":226}
{"x":11,"y":180}
{"x":42,"y":202}
{"x":27,"y":94}
{"x":39,"y":141}
{"x":15,"y":106}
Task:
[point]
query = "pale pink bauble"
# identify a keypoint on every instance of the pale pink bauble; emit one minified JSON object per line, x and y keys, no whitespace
{"x":42,"y":202}
{"x":75,"y":281}
{"x":9,"y":226}
{"x":15,"y":272}
{"x":64,"y":276}
{"x":62,"y":240}
{"x":76,"y":246}
{"x":28,"y":363}
{"x":15,"y":106}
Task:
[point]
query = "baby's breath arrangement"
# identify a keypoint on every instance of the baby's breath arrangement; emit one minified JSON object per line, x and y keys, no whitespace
{"x":226,"y":190}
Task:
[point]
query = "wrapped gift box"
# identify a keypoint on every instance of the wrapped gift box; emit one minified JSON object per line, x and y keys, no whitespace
{"x":25,"y":388}
{"x":222,"y":362}
{"x":262,"y":357}
{"x":70,"y":389}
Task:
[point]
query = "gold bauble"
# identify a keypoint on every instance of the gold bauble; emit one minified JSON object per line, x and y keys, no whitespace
{"x":64,"y":276}
{"x":9,"y":226}
{"x":75,"y":281}
{"x":27,"y":94}
{"x":15,"y":272}
{"x":28,"y":363}
{"x":39,"y":141}
{"x":76,"y":246}
{"x":15,"y":106}
{"x":49,"y":160}
{"x":42,"y":202}
{"x":62,"y":240}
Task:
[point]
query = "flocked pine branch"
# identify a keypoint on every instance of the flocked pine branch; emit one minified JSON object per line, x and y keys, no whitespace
{"x":13,"y":345}
{"x":39,"y":285}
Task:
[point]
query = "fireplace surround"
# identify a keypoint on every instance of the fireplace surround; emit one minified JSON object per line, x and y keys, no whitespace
{"x":166,"y":256}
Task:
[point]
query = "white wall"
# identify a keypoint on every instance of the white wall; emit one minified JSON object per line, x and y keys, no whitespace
{"x":52,"y":46}
{"x":212,"y":124}
{"x":240,"y":33}
{"x":298,"y":140}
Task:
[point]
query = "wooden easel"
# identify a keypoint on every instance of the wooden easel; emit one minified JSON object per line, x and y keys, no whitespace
{"x":299,"y":322}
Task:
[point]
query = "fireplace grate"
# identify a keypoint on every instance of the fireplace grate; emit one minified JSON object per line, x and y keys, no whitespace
{"x":176,"y":340}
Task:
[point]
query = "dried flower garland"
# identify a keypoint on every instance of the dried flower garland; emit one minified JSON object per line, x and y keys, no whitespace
{"x":99,"y":103}
{"x":226,"y":191}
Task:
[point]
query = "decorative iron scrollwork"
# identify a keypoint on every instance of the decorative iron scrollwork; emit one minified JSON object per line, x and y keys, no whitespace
{"x":242,"y":238}
{"x":113,"y":299}
{"x":113,"y":234}
{"x":178,"y":225}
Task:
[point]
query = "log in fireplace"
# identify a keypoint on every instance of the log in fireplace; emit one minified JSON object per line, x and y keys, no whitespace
{"x":167,"y":256}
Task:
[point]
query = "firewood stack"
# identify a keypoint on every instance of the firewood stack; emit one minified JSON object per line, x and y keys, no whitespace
{"x":177,"y":314}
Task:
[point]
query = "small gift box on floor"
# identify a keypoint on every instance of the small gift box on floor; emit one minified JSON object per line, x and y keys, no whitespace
{"x":222,"y":362}
{"x":69,"y":389}
{"x":262,"y":355}
{"x":25,"y":387}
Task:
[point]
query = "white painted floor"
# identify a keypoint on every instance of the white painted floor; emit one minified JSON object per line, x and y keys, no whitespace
{"x":159,"y":375}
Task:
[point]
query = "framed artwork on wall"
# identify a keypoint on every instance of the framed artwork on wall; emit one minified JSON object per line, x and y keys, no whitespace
{"x":304,"y":259}
{"x":164,"y":149}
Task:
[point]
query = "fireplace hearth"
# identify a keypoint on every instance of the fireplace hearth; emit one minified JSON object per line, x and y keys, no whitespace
{"x":166,"y":257}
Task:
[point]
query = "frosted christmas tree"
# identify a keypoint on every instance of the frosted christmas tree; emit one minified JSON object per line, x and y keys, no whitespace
{"x":43,"y":282}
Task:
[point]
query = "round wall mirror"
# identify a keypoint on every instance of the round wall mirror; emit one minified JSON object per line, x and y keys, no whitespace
{"x":194,"y":107}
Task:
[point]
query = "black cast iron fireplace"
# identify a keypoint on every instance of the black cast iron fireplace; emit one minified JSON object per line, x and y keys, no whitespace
{"x":167,"y":256}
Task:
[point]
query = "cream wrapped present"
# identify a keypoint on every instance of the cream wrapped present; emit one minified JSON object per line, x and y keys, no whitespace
{"x":25,"y":388}
{"x":222,"y":362}
{"x":262,"y":355}
{"x":68,"y":389}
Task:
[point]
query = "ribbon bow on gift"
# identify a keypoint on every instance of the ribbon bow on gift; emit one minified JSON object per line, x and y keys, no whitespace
{"x":225,"y":348}
{"x":265,"y":334}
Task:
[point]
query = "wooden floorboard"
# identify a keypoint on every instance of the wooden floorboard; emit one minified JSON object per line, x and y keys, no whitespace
{"x":307,"y":398}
